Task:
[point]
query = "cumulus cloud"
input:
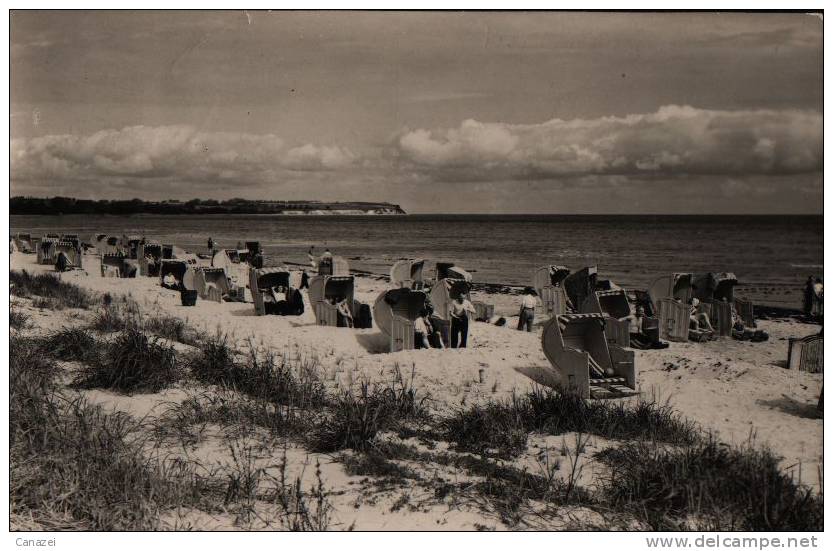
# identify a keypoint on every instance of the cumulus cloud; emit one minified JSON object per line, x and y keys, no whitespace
{"x":167,"y":152}
{"x":675,"y":140}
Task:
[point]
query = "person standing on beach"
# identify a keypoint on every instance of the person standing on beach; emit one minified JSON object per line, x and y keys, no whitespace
{"x":460,"y":309}
{"x":818,"y":298}
{"x":304,"y":280}
{"x":421,"y":331}
{"x":210,"y":246}
{"x":527,"y":313}
{"x":809,"y":293}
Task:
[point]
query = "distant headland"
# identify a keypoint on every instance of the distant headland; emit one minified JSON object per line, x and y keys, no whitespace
{"x":70,"y":205}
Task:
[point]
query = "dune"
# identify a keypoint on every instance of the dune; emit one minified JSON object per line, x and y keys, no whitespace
{"x":737,"y":390}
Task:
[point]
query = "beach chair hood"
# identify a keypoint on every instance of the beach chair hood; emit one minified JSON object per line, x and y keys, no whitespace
{"x":581,"y":284}
{"x":724,"y":286}
{"x":447,"y":270}
{"x":266,"y":278}
{"x":407,"y":272}
{"x":546,"y":276}
{"x":674,"y":286}
{"x":613,"y":303}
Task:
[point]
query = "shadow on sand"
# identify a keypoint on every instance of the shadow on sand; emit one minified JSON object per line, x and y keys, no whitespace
{"x":793,"y":407}
{"x":375,"y":343}
{"x":544,"y":376}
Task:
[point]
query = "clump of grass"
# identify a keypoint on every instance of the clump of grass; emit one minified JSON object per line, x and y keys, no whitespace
{"x":216,"y":362}
{"x":265,"y":375}
{"x":709,"y":486}
{"x":58,"y":294}
{"x":494,"y":428}
{"x":133,"y":362}
{"x":558,"y":412}
{"x":109,"y":320}
{"x":249,"y":484}
{"x":173,"y":329}
{"x":72,"y":466}
{"x":501,"y":427}
{"x":71,"y":345}
{"x":187,"y":419}
{"x":299,"y":510}
{"x":352,"y":422}
{"x":374,"y":462}
{"x":17,"y":319}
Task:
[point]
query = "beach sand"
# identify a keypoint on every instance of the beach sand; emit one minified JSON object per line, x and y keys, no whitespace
{"x":738,"y":390}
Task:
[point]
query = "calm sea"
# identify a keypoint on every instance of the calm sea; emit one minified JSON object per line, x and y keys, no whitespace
{"x":771,"y":255}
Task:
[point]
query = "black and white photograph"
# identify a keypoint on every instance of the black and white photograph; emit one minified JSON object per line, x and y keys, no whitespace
{"x":403,"y":270}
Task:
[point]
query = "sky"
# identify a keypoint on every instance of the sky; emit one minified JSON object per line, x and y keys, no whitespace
{"x":464,"y":112}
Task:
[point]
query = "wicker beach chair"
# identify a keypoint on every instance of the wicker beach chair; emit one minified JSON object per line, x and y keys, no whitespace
{"x":548,"y":283}
{"x":395,"y":311}
{"x":212,"y":283}
{"x":584,"y":360}
{"x":806,"y":354}
{"x":23,"y":243}
{"x":177,"y":268}
{"x":262,"y":280}
{"x":72,"y":252}
{"x":323,"y":288}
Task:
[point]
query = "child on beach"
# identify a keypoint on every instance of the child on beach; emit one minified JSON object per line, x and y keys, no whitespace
{"x":422,"y":328}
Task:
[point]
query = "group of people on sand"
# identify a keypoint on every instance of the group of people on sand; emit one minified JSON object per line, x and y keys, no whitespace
{"x":429,"y":335}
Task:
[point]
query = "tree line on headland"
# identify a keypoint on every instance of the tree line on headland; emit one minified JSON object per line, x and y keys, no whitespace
{"x":71,"y":205}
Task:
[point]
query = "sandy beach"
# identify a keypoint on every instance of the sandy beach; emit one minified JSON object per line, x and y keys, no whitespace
{"x":737,"y":390}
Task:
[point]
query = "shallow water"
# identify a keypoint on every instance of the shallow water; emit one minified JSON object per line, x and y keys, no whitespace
{"x":771,"y":255}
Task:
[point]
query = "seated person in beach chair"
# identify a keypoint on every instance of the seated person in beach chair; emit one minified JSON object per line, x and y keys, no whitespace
{"x":345,"y":316}
{"x":640,"y":339}
{"x":63,"y":263}
{"x":277,"y":303}
{"x":171,"y":282}
{"x":699,"y":321}
{"x":742,"y":333}
{"x":425,"y":336}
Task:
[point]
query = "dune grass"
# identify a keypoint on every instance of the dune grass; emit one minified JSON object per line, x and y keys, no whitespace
{"x":17,"y":319}
{"x":266,"y":375}
{"x":709,"y":486}
{"x":172,"y":328}
{"x":109,"y":320}
{"x":58,"y":294}
{"x":239,"y":414}
{"x":70,"y":462}
{"x":353,"y":421}
{"x":132,"y":362}
{"x":501,"y":428}
{"x":71,"y":344}
{"x":72,"y":465}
